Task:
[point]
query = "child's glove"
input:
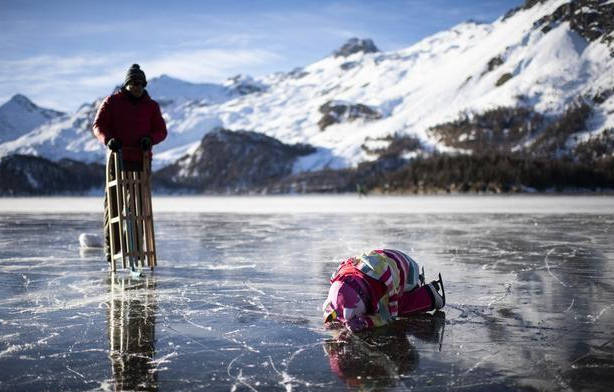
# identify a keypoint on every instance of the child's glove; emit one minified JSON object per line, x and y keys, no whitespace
{"x":357,"y":324}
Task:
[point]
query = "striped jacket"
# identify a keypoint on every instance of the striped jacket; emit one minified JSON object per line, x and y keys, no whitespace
{"x":397,"y":273}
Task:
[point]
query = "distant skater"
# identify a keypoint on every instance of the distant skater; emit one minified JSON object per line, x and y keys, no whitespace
{"x":361,"y":190}
{"x":375,"y":288}
{"x":130,"y":121}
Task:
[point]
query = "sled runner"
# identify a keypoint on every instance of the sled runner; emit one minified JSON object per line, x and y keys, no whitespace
{"x":131,"y":231}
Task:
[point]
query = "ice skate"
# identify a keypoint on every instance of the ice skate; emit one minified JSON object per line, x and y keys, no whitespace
{"x":439,"y":300}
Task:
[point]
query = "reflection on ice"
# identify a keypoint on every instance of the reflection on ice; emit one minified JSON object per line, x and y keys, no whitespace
{"x":235,"y":305}
{"x":383,"y":357}
{"x":132,"y":332}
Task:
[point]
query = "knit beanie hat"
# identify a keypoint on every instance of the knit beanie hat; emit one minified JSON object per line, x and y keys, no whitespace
{"x":135,"y":74}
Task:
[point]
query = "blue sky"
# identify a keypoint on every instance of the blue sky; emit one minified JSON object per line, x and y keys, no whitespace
{"x":62,"y":54}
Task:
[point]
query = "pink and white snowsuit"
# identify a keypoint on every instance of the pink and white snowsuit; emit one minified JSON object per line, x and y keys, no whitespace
{"x":375,"y":288}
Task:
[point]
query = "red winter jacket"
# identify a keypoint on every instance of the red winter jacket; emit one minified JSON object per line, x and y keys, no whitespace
{"x":128,"y":119}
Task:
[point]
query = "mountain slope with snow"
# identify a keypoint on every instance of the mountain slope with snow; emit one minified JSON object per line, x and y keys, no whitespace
{"x":19,"y":116}
{"x":62,"y":137}
{"x":471,"y":68}
{"x":545,"y":57}
{"x":53,"y":135}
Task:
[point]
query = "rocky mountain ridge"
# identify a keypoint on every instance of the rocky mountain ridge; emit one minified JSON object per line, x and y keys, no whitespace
{"x":356,"y":45}
{"x":27,"y":175}
{"x":233,"y":162}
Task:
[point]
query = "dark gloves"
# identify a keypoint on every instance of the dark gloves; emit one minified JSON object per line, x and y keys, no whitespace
{"x":146,"y":143}
{"x":114,"y":144}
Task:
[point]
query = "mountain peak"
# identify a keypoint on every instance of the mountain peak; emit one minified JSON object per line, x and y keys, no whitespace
{"x":531,"y":3}
{"x":20,"y":98}
{"x":20,"y":101}
{"x":19,"y":115}
{"x":244,"y":84}
{"x":165,"y":78}
{"x":356,"y":45}
{"x":169,"y":89}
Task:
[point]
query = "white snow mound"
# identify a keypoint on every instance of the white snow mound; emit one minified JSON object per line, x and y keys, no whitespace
{"x":88,"y":241}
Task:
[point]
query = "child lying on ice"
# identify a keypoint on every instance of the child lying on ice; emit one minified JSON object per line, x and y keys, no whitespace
{"x":374,"y":289}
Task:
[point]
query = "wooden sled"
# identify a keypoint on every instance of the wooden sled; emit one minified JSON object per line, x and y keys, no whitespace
{"x":131,"y":229}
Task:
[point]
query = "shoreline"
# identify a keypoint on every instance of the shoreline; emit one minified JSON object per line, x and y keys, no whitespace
{"x":525,"y":203}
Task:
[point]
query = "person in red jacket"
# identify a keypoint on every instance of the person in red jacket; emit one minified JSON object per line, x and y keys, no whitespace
{"x":130,"y":121}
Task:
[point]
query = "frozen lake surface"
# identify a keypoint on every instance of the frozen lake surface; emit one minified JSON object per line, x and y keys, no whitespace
{"x":234,"y":304}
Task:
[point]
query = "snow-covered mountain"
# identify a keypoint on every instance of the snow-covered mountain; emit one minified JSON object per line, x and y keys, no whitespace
{"x":170,"y":91}
{"x":19,"y":116}
{"x":545,"y":56}
{"x":53,"y":135}
{"x":67,"y":136}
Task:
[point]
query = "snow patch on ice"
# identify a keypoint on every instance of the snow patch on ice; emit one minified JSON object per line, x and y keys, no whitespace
{"x":87,"y":240}
{"x":14,"y":348}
